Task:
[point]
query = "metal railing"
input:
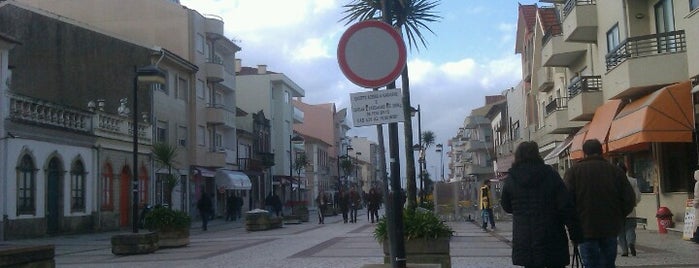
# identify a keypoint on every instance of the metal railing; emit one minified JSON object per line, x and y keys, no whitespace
{"x":647,"y":45}
{"x":571,"y":4}
{"x":557,"y":104}
{"x":584,"y":84}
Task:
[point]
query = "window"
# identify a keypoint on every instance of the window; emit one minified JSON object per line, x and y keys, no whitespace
{"x":161,"y":87}
{"x":182,"y":88}
{"x":200,"y":43}
{"x":693,"y":4}
{"x":286,"y":96}
{"x":613,"y":38}
{"x":200,"y":88}
{"x":107,"y":186}
{"x":201,"y":135}
{"x":677,"y":167}
{"x":161,"y":132}
{"x":26,"y":179}
{"x":182,"y":136}
{"x":77,"y":187}
{"x":218,"y":141}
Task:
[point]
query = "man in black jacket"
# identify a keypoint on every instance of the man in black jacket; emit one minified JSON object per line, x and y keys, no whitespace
{"x":603,"y":197}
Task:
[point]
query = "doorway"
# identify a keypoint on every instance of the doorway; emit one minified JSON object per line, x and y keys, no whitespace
{"x":54,"y":197}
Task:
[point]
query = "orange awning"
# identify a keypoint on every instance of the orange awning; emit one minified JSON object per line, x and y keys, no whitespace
{"x":602,"y":121}
{"x":665,"y":115}
{"x":578,"y":140}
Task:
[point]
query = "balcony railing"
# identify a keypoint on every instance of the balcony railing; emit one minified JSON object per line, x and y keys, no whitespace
{"x":557,"y":104}
{"x":570,"y":4}
{"x":584,"y":84}
{"x":551,"y":31}
{"x":647,"y":45}
{"x":46,"y":113}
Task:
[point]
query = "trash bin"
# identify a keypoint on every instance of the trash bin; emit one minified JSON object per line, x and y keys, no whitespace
{"x":664,"y":217}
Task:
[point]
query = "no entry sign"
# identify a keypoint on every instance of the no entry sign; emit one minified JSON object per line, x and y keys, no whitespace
{"x":371,"y":54}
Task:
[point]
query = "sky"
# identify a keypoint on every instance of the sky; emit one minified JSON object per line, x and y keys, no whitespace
{"x":470,"y":55}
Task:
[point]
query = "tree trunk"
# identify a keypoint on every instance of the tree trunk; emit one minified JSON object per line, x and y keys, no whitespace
{"x":408,"y":129}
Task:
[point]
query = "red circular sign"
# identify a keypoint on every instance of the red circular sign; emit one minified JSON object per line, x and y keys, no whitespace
{"x":371,"y":54}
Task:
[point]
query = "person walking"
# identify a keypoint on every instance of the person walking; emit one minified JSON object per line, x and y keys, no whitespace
{"x":230,"y":208}
{"x":238,"y":206}
{"x":373,"y":205}
{"x":205,"y":207}
{"x":276,"y":204}
{"x":322,"y":203}
{"x":485,"y":206}
{"x":602,"y":196}
{"x":343,"y":202}
{"x":627,"y":236}
{"x":541,"y":208}
{"x":353,"y":204}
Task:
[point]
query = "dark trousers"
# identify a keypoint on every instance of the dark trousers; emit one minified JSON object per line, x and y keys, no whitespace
{"x":204,"y":219}
{"x":230,"y":215}
{"x":321,"y":214}
{"x":344,"y":214}
{"x":353,"y":214}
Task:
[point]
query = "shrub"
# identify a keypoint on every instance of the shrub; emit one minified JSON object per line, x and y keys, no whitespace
{"x":162,"y":218}
{"x":417,"y":224}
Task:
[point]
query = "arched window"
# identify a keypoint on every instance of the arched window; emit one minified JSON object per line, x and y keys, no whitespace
{"x":77,"y":186}
{"x":107,"y":188}
{"x":26,"y":186}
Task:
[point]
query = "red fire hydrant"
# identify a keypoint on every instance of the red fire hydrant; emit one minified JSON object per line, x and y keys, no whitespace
{"x":664,"y":216}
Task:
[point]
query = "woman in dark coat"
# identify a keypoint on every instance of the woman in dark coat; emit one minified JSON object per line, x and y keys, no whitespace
{"x":541,"y":208}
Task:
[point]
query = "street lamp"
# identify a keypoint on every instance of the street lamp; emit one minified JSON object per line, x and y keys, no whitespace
{"x":294,"y":139}
{"x":440,"y":150}
{"x":356,"y":166}
{"x":419,"y":147}
{"x":147,"y":74}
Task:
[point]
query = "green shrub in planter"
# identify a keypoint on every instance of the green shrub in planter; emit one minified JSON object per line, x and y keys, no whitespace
{"x":162,"y":218}
{"x":417,"y":224}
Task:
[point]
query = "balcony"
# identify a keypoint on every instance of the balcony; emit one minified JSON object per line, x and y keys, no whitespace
{"x":298,"y":116}
{"x":228,"y":79}
{"x":474,"y":121}
{"x":219,"y":114}
{"x":544,"y":79}
{"x":45,"y":113}
{"x":556,"y":119}
{"x":474,"y":169}
{"x":214,"y":70}
{"x":580,"y":21}
{"x":118,"y":128}
{"x":214,"y":24}
{"x":556,"y":52}
{"x":642,"y":64}
{"x":476,"y":145}
{"x":585,"y":95}
{"x":209,"y":158}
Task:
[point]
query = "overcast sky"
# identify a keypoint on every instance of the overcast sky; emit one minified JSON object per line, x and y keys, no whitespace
{"x":470,"y":55}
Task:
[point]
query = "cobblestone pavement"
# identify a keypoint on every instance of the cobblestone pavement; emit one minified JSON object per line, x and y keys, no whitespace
{"x":334,"y":244}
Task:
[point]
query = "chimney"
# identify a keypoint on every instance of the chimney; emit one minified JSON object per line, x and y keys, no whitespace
{"x":261,"y":69}
{"x":238,"y":65}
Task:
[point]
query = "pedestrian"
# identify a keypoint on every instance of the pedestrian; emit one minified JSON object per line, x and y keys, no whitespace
{"x":353,"y":204}
{"x":269,"y":203}
{"x":277,"y":204}
{"x":230,"y":208}
{"x":373,"y":206}
{"x":205,"y":207}
{"x":486,"y":207}
{"x":238,"y":206}
{"x":602,"y":196}
{"x":541,"y":208}
{"x":343,"y":202}
{"x":627,"y":236}
{"x":322,"y":203}
{"x":695,"y":203}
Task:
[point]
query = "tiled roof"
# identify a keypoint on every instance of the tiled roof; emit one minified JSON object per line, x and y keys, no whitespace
{"x":250,"y":71}
{"x":528,"y":13}
{"x":550,"y":21}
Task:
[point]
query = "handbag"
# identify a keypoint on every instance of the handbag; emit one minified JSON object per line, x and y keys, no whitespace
{"x":576,"y":261}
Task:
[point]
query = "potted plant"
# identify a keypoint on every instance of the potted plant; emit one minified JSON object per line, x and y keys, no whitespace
{"x":426,"y":237}
{"x":172,"y":226}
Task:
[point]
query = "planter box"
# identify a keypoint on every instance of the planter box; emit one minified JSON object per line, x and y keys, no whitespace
{"x":173,"y":238}
{"x":424,"y":251}
{"x":261,"y":220}
{"x":301,"y":213}
{"x":27,"y":256}
{"x":134,"y":243}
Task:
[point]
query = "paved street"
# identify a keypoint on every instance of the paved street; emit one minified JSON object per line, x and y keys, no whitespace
{"x":334,"y":244}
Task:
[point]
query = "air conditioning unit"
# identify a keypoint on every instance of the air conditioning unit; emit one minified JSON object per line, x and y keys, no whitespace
{"x":183,"y":142}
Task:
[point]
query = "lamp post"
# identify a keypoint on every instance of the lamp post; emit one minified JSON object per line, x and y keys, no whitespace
{"x":440,"y":150}
{"x":294,"y":139}
{"x":419,"y":147}
{"x":356,"y":166}
{"x":147,"y":74}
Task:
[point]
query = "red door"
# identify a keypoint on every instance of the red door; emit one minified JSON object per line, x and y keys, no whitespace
{"x":124,"y":186}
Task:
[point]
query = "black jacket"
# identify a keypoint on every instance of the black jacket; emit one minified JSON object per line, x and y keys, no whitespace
{"x":541,"y":208}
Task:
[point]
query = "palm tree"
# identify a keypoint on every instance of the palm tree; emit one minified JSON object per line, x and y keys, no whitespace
{"x":410,"y":16}
{"x":427,"y":142}
{"x":165,"y":155}
{"x":300,"y":163}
